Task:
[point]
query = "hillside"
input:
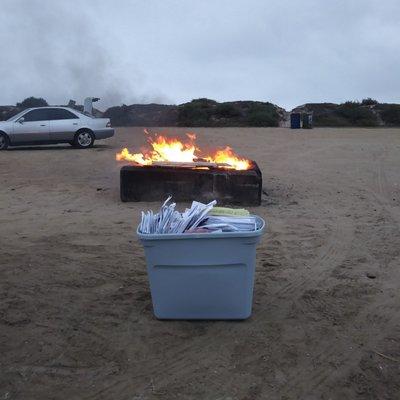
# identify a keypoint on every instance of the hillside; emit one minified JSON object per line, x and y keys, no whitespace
{"x":143,"y":115}
{"x":199,"y":112}
{"x":210,"y":113}
{"x":367,"y":113}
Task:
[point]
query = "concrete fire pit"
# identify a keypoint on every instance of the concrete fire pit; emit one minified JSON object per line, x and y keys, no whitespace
{"x":227,"y":186}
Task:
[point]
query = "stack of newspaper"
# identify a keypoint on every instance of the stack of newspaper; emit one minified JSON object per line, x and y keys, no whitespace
{"x":168,"y":220}
{"x":229,"y":223}
{"x":196,"y":219}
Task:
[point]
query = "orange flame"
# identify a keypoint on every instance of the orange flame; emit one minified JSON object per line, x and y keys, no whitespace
{"x":227,"y":156}
{"x":172,"y":149}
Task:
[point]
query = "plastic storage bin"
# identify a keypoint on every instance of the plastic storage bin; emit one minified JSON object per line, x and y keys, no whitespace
{"x":202,"y":276}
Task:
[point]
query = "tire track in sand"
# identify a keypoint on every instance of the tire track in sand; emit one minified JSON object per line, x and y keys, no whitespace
{"x":381,"y":305}
{"x":331,"y":255}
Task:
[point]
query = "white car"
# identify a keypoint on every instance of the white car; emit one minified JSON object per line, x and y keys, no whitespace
{"x":48,"y":125}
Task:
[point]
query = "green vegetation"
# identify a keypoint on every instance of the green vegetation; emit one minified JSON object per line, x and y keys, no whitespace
{"x":262,"y":114}
{"x":32,"y":102}
{"x":350,"y":113}
{"x":196,"y":113}
{"x":369,"y":102}
{"x":119,"y":115}
{"x":356,"y":114}
{"x":206,"y":112}
{"x":227,"y":110}
{"x":209,"y":113}
{"x":390,"y":114}
{"x":332,"y":120}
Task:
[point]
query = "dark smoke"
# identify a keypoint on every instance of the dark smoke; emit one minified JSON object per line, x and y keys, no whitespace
{"x":57,"y":52}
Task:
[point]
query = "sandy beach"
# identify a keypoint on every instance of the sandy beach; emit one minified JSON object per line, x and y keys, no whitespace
{"x":76,"y":317}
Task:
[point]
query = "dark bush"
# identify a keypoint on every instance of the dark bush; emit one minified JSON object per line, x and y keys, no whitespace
{"x":7,"y":112}
{"x":205,"y":112}
{"x":204,"y":102}
{"x":262,"y":114}
{"x":357,"y":115}
{"x":119,"y":115}
{"x":191,"y":115}
{"x":226,"y":110}
{"x":390,"y":114}
{"x":32,"y":102}
{"x":369,"y":102}
{"x":350,"y":105}
{"x":196,"y":113}
{"x":350,"y":113}
{"x":329,"y":119}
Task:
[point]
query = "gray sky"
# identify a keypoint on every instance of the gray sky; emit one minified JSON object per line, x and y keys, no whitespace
{"x":286,"y":52}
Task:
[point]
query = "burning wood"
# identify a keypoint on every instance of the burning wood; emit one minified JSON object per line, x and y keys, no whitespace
{"x":166,"y":151}
{"x":194,"y":164}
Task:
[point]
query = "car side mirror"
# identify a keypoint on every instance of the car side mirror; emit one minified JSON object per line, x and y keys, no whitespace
{"x":21,"y":120}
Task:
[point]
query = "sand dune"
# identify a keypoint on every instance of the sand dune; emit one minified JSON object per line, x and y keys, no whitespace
{"x":75,"y":312}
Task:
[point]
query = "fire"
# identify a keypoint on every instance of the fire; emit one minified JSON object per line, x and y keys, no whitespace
{"x":227,"y":156}
{"x":174,"y":150}
{"x":165,"y":149}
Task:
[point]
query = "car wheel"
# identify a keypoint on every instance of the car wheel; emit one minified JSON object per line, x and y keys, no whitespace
{"x":84,"y":139}
{"x":3,"y":141}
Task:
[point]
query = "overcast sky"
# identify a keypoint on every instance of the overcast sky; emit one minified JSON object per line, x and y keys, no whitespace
{"x":169,"y":51}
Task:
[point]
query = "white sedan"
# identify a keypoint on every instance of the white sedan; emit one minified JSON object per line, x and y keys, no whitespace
{"x":49,"y":125}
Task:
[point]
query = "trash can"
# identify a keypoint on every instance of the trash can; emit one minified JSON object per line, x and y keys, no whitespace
{"x":202,"y":275}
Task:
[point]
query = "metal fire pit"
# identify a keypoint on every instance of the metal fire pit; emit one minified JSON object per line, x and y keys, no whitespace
{"x":227,"y":186}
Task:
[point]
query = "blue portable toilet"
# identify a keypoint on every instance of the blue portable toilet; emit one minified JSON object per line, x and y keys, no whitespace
{"x":295,"y":120}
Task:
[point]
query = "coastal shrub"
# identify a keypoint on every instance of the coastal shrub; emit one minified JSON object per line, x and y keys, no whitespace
{"x":32,"y":102}
{"x":226,"y":110}
{"x":196,"y":113}
{"x":262,"y":114}
{"x":119,"y":115}
{"x":330,"y":120}
{"x":203,"y":102}
{"x":369,"y":102}
{"x":390,"y":114}
{"x":357,"y":115}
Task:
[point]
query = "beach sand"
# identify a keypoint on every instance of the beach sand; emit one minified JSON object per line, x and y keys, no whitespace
{"x":76,"y":317}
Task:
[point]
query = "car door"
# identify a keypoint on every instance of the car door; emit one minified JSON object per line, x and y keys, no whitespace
{"x":31,"y":127}
{"x":63,"y":125}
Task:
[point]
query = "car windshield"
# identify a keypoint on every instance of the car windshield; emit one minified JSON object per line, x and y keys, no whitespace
{"x":15,"y":117}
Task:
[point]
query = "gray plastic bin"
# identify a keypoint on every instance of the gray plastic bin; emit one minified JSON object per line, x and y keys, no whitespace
{"x":202,"y":276}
